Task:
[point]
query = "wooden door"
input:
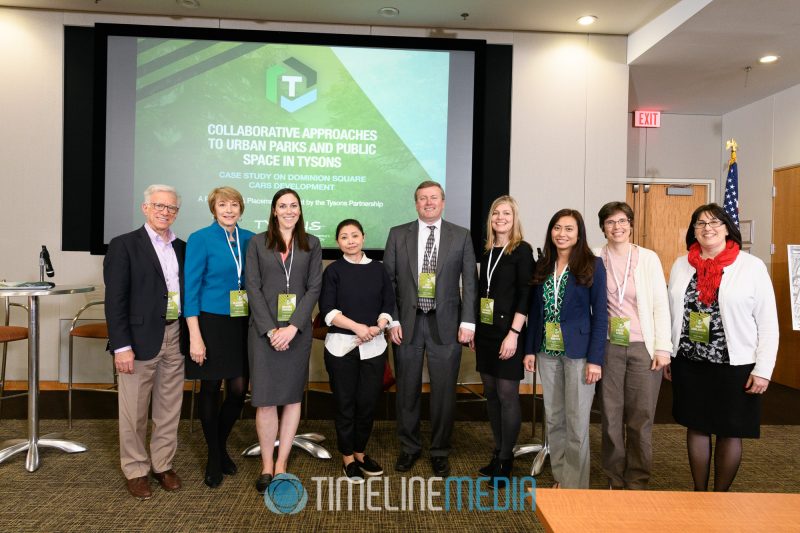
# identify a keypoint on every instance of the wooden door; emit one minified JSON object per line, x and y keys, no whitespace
{"x":785,"y":230}
{"x":661,"y":217}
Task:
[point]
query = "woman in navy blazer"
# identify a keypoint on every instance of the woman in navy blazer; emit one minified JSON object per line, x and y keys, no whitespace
{"x":567,"y":326}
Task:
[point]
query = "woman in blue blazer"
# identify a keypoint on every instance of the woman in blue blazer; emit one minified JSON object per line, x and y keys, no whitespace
{"x":217,"y":313}
{"x":567,"y":326}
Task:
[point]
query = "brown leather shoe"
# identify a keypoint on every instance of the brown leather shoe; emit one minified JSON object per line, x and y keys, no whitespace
{"x":139,"y":487}
{"x":168,"y":480}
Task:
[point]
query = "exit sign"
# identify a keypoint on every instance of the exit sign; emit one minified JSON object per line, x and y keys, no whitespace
{"x":647,"y":119}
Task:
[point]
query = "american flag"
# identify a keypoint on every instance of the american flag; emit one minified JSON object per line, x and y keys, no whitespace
{"x":731,"y":203}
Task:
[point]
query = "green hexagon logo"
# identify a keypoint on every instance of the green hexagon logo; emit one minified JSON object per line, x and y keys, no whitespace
{"x":284,"y":82}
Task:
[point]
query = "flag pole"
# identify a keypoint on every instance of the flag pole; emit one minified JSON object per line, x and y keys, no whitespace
{"x":731,"y":198}
{"x":731,"y":145}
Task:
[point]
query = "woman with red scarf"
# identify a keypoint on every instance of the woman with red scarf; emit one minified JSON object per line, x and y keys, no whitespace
{"x":725,"y":338}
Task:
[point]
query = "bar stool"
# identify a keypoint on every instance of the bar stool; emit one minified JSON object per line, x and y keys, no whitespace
{"x":542,"y":450}
{"x":94,"y":330}
{"x":9,"y":334}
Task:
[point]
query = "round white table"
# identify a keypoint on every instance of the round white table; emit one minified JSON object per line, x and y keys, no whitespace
{"x":53,"y":440}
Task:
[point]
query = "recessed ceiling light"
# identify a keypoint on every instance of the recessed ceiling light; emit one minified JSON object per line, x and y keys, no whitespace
{"x":388,"y":12}
{"x":587,"y":20}
{"x":768,"y":59}
{"x":188,"y":4}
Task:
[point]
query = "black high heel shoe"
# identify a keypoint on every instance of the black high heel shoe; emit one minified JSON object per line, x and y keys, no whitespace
{"x":489,"y":469}
{"x":229,"y":468}
{"x":502,"y":474}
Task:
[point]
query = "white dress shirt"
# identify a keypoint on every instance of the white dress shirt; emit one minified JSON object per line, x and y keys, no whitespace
{"x":422,"y":241}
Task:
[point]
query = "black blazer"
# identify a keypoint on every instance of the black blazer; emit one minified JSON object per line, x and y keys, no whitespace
{"x":511,"y":288}
{"x":136,"y":294}
{"x":455,"y":263}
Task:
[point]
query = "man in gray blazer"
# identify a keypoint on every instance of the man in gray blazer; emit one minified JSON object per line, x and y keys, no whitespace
{"x":426,"y":259}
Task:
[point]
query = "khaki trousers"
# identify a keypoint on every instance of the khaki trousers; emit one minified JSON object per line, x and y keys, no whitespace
{"x":162,"y":378}
{"x":629,"y":394}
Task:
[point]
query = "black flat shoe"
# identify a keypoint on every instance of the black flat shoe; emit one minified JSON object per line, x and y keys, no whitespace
{"x":369,"y":467}
{"x":263,"y":482}
{"x":228,"y":466}
{"x":213,"y":480}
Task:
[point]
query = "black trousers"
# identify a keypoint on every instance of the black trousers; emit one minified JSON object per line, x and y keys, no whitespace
{"x":356,"y":387}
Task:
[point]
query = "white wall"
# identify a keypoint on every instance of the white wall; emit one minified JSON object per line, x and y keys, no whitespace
{"x":786,"y":139}
{"x":693,"y":146}
{"x":768,"y":133}
{"x":568,"y":145}
{"x":684,"y":147}
{"x":751,"y":126}
{"x":31,"y":50}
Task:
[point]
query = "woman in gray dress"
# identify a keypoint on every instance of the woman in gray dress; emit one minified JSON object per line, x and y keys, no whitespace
{"x":283,"y":279}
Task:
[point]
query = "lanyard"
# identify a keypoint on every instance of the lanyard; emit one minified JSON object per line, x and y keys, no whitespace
{"x":288,"y":272}
{"x":557,"y":280}
{"x":620,"y":287}
{"x":490,"y":270}
{"x":236,"y":259}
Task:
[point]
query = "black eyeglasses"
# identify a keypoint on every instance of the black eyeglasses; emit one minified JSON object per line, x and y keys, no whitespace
{"x":701,"y":224}
{"x":171,"y":209}
{"x":622,"y":223}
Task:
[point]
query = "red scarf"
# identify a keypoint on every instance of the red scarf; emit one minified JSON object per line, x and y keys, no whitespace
{"x":709,"y":271}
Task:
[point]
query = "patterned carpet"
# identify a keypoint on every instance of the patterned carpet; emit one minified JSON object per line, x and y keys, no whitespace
{"x":85,"y":492}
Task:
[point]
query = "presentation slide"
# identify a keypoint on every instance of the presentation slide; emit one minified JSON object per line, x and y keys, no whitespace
{"x":353,"y":130}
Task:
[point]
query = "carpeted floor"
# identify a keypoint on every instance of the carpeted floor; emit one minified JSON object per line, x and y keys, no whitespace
{"x":85,"y":492}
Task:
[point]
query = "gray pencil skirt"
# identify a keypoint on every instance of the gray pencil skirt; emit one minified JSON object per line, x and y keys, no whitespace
{"x":278,"y":378}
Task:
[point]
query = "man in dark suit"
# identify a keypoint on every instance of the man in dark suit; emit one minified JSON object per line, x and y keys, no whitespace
{"x":143,"y":272}
{"x":426,"y":259}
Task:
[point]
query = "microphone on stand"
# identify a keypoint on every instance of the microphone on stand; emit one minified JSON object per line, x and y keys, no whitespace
{"x":44,"y":262}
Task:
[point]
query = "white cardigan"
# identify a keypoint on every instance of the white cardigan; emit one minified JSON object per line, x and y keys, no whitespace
{"x":747,"y":307}
{"x":652,"y":304}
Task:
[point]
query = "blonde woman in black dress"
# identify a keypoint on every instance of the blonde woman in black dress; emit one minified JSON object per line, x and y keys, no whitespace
{"x":504,"y":290}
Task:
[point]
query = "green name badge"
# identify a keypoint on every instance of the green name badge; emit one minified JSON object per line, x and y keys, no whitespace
{"x":699,"y":327}
{"x":427,"y":285}
{"x":239,"y":305}
{"x":553,"y":339}
{"x":619,"y":330}
{"x":286,"y":306}
{"x":487,"y":310}
{"x":173,"y":304}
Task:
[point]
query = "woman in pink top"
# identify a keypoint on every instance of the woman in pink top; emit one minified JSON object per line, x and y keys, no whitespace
{"x":638,"y":347}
